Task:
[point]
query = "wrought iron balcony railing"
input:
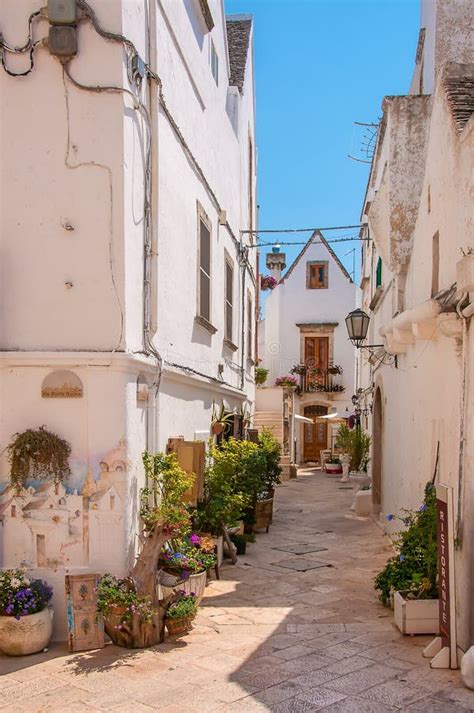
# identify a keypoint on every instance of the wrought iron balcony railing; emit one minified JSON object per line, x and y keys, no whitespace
{"x":323,"y":380}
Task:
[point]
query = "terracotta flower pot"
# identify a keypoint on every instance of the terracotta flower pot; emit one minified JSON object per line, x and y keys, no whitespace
{"x":179,"y":626}
{"x":27,"y":635}
{"x":217,"y":428}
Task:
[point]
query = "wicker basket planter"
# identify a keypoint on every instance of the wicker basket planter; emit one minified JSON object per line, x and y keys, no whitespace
{"x":179,"y":626}
{"x":263,"y":514}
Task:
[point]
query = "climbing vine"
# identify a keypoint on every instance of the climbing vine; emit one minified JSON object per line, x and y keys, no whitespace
{"x":39,"y":455}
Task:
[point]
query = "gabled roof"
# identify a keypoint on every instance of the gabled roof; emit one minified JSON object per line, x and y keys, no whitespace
{"x":316,"y":238}
{"x":238,"y":39}
{"x":458,"y":80}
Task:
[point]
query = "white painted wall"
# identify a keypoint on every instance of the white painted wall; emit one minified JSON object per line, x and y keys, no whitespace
{"x":74,"y":158}
{"x":421,"y":397}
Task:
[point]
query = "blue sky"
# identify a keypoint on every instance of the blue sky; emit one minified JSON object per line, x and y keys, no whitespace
{"x":320,"y":65}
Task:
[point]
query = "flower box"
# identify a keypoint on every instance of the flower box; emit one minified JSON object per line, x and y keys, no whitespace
{"x":416,"y":616}
{"x":333,"y":468}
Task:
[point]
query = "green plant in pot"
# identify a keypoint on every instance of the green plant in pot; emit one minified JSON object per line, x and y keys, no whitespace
{"x":38,"y":454}
{"x":220,"y":420}
{"x":413,"y":570}
{"x":25,"y":618}
{"x":181,"y":613}
{"x":240,"y":542}
{"x":271,"y":449}
{"x":261,"y":375}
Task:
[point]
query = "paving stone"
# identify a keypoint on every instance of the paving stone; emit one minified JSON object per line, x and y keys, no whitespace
{"x":301,"y":549}
{"x":358,"y":705}
{"x":293,"y":652}
{"x":280,"y":692}
{"x":434,"y":705}
{"x":362,"y":680}
{"x":301,"y":565}
{"x":394,"y":693}
{"x":320,"y":697}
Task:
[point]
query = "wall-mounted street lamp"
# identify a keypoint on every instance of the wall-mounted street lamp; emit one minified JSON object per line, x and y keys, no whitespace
{"x":357,"y":323}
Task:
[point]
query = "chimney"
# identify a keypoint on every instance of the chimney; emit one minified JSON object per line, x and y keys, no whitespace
{"x":276,"y":262}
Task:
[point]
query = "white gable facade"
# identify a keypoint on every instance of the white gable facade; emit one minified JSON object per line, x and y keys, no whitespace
{"x":304,"y":325}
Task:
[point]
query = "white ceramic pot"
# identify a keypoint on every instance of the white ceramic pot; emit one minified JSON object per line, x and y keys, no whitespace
{"x":195,"y":583}
{"x":26,"y":635}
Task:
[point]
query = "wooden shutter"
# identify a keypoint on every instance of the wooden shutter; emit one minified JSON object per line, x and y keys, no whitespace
{"x":204,"y":271}
{"x":191,"y":458}
{"x":85,"y":625}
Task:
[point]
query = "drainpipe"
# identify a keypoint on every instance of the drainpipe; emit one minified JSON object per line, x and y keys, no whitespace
{"x":465,"y":315}
{"x":150,"y":286}
{"x":242,"y":333}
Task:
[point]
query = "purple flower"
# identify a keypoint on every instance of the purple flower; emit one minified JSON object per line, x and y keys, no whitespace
{"x":195,"y":539}
{"x":423,"y":507}
{"x":402,"y":558}
{"x":390,"y":517}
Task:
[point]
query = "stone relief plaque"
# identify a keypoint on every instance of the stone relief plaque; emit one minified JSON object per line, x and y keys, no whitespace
{"x":62,"y":384}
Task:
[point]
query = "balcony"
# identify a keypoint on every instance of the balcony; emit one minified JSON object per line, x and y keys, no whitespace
{"x":316,"y":379}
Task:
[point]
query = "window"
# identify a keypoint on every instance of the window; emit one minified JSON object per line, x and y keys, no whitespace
{"x":204,"y":290}
{"x":378,"y":273}
{"x":112,"y":502}
{"x":249,"y":327}
{"x":316,"y":275}
{"x":229,"y":299}
{"x":13,"y":511}
{"x":214,"y":63}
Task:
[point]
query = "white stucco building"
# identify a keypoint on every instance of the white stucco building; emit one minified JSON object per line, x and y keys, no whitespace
{"x":304,"y":326}
{"x":418,"y":283}
{"x":127,"y":295}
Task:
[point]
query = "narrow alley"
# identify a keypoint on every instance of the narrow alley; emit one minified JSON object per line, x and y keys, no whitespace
{"x":294,"y":626}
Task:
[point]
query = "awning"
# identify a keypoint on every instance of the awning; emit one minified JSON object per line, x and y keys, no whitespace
{"x":303,"y":418}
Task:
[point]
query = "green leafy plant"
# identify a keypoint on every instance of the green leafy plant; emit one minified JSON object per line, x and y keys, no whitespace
{"x":271,"y":449}
{"x":162,"y":499}
{"x":261,"y":375}
{"x":220,"y":420}
{"x":355,"y":443}
{"x":185,"y":606}
{"x":414,"y":569}
{"x":186,"y":558}
{"x":119,"y":596}
{"x":39,"y":455}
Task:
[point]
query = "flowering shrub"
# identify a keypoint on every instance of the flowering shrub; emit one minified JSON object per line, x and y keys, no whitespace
{"x":185,"y":606}
{"x":268,"y":282}
{"x":287,"y":380}
{"x":20,"y":596}
{"x":119,"y":593}
{"x":414,"y":568}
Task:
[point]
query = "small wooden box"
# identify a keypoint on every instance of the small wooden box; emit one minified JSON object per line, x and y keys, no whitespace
{"x":416,"y":616}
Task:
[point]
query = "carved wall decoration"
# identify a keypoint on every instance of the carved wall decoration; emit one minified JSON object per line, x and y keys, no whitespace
{"x":62,"y":384}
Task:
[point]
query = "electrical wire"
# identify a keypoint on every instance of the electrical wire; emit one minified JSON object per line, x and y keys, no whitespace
{"x":302,"y":230}
{"x":32,"y":61}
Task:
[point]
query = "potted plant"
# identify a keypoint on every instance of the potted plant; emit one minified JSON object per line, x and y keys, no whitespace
{"x":180,"y":614}
{"x":25,"y":619}
{"x":220,"y":420}
{"x":299,"y":369}
{"x":268,"y":282}
{"x":240,"y":542}
{"x":121,"y":605}
{"x":333,"y":466}
{"x":410,"y":577}
{"x":261,"y":375}
{"x":287,"y":381}
{"x":38,"y":455}
{"x":189,"y":563}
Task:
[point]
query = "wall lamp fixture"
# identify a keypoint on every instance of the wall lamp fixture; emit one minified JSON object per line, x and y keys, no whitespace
{"x":357,"y":324}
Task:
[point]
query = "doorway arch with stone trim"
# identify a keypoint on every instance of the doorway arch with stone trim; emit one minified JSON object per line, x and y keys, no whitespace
{"x":377,"y":435}
{"x":315,"y":435}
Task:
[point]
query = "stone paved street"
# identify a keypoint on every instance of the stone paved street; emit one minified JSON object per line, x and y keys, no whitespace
{"x":269,"y":637}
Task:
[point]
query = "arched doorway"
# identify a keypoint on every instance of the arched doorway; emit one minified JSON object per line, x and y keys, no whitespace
{"x":377,"y":452}
{"x":315,"y":435}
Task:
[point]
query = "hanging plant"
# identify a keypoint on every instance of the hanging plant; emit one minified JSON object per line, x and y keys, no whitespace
{"x":39,"y":455}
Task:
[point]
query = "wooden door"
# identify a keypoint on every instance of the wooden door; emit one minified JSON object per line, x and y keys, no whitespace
{"x":315,"y":434}
{"x":316,"y":359}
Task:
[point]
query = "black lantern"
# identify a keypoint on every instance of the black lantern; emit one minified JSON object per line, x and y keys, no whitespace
{"x":357,"y":323}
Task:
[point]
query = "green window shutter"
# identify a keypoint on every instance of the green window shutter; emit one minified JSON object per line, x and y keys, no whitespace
{"x":378,"y":273}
